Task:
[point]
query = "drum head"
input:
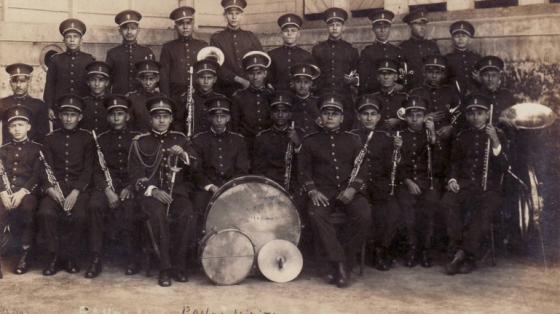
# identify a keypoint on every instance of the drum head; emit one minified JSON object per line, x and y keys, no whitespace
{"x":227,"y":257}
{"x":258,"y":207}
{"x":280,"y":261}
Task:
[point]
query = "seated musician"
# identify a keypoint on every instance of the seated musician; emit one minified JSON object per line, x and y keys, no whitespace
{"x":20,"y":178}
{"x":157,"y":161}
{"x":326,"y":163}
{"x":223,"y":153}
{"x":113,"y":200}
{"x":272,"y":145}
{"x":474,"y":191}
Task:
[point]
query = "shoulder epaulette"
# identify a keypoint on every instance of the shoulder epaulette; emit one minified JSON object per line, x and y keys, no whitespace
{"x":177,"y":133}
{"x":53,"y":131}
{"x":200,"y":134}
{"x":238,"y":91}
{"x":131,"y":93}
{"x":87,"y":131}
{"x":6,"y":144}
{"x":102,"y":133}
{"x":137,"y":137}
{"x":237,"y":134}
{"x":264,"y":131}
{"x":311,"y":134}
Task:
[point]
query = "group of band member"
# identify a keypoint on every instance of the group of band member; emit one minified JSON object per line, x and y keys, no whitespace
{"x":147,"y":143}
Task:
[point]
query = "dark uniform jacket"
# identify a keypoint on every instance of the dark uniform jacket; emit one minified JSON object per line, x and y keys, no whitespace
{"x":391,"y":103}
{"x":250,"y":111}
{"x":95,"y":115}
{"x":22,"y":165}
{"x":440,"y":98}
{"x":66,"y":74}
{"x":460,"y":66}
{"x":70,"y":154}
{"x":467,"y":159}
{"x":139,"y":115}
{"x":414,"y":51}
{"x":201,"y":122}
{"x":234,"y":44}
{"x":176,"y":57}
{"x":115,"y":145}
{"x":305,"y":112}
{"x":121,"y":60}
{"x":413,"y":162}
{"x":39,"y":119}
{"x":378,"y":159}
{"x":149,"y":163}
{"x":223,"y":157}
{"x":368,"y":62}
{"x":335,"y":58}
{"x":283,"y":58}
{"x":326,"y":161}
{"x":501,"y":99}
{"x":269,"y":157}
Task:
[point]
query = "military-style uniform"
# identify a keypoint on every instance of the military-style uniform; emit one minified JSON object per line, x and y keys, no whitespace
{"x":470,"y":211}
{"x":416,"y":49}
{"x":139,"y":114}
{"x":284,"y":57}
{"x":501,"y":98}
{"x":121,"y":59}
{"x":22,"y":168}
{"x":39,"y":110}
{"x":305,"y":110}
{"x":70,"y":154}
{"x":462,"y":62}
{"x":94,"y":112}
{"x":234,"y":43}
{"x":114,"y":145}
{"x":67,"y":71}
{"x":177,"y":56}
{"x":416,"y":154}
{"x":375,"y":52}
{"x":325,"y":162}
{"x":150,"y":168}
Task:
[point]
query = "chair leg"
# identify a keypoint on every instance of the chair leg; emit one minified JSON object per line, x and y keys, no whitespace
{"x":492,"y":245}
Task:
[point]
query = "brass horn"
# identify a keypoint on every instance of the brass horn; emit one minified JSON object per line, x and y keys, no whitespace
{"x":529,"y":116}
{"x":401,"y":113}
{"x":211,"y":52}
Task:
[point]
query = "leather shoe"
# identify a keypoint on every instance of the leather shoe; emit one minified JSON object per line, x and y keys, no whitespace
{"x":1,"y":275}
{"x":180,"y":275}
{"x":410,"y":258}
{"x":164,"y":280}
{"x":71,"y":266}
{"x":426,"y":260}
{"x":467,"y":267}
{"x":332,"y":275}
{"x":132,"y":269}
{"x":380,"y":258}
{"x":21,"y":267}
{"x":343,"y":279}
{"x":94,"y":268}
{"x":453,"y":266}
{"x":52,"y":268}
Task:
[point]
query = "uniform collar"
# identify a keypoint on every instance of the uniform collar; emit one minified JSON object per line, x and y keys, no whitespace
{"x":390,"y":92}
{"x":281,"y":131}
{"x":303,"y":98}
{"x":216,"y":134}
{"x":335,"y":131}
{"x":204,"y":95}
{"x":381,"y":42}
{"x":20,"y":97}
{"x":185,"y":39}
{"x":66,"y":131}
{"x":146,"y":93}
{"x":72,"y":53}
{"x":231,"y":30}
{"x":119,"y":132}
{"x":258,"y":90}
{"x":25,"y":140}
{"x":131,"y":44}
{"x":157,"y":134}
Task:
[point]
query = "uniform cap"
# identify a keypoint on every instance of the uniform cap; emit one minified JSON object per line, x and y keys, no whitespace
{"x":490,"y":62}
{"x":206,"y":65}
{"x":477,"y":101}
{"x":128,"y":16}
{"x":98,"y":67}
{"x":282,"y":97}
{"x":305,"y":69}
{"x":435,"y":61}
{"x":415,"y":102}
{"x":147,"y":66}
{"x":335,"y":14}
{"x":16,"y":112}
{"x":70,"y":102}
{"x":116,"y":101}
{"x":387,"y":65}
{"x":16,"y":69}
{"x":72,"y":25}
{"x":368,"y":101}
{"x":416,"y":16}
{"x":462,"y":27}
{"x":332,"y":101}
{"x":218,"y":103}
{"x":158,"y":103}
{"x":255,"y":59}
{"x":290,"y":19}
{"x":182,"y":13}
{"x":382,"y":16}
{"x":239,"y":4}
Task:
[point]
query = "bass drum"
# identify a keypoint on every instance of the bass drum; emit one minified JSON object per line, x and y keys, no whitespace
{"x":227,"y":256}
{"x":258,"y":207}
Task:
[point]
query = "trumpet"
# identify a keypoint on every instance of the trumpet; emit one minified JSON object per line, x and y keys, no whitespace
{"x":190,"y":106}
{"x":288,"y":161}
{"x":486,"y":165}
{"x":52,"y":180}
{"x":103,"y":163}
{"x":395,"y":160}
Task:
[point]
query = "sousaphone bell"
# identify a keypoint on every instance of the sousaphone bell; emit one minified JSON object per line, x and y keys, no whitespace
{"x":211,"y":52}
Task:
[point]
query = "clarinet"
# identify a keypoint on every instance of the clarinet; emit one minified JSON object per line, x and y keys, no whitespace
{"x":395,"y":160}
{"x":52,"y":179}
{"x":429,"y":152}
{"x":288,"y":161}
{"x":359,"y":159}
{"x":190,"y":106}
{"x":103,"y":163}
{"x":5,"y":179}
{"x":486,"y":165}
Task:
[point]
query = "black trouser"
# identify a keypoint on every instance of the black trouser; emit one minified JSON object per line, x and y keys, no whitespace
{"x":24,"y":215}
{"x":127,"y":218}
{"x":173,"y":233}
{"x":63,"y":233}
{"x":385,"y":215}
{"x":469,"y":215}
{"x":418,"y":214}
{"x":356,"y":229}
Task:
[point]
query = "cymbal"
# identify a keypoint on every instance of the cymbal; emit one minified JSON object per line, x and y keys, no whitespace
{"x":529,"y":116}
{"x":280,"y":261}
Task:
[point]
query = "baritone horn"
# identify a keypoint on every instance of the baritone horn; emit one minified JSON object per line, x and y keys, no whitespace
{"x":529,"y":116}
{"x":211,"y":52}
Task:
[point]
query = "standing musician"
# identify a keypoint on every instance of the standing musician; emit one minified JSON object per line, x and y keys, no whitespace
{"x":380,"y":49}
{"x":157,"y":164}
{"x":305,"y":109}
{"x":417,"y":47}
{"x":289,"y":54}
{"x":276,"y":147}
{"x":20,"y":179}
{"x":338,"y":61}
{"x":68,"y":160}
{"x":478,"y":161}
{"x":112,"y":195}
{"x":325,"y":164}
{"x":491,"y":71}
{"x":148,"y":75}
{"x":462,"y":60}
{"x":67,"y":71}
{"x":385,"y":210}
{"x":122,"y":58}
{"x":389,"y":96}
{"x":205,"y":77}
{"x":235,"y":43}
{"x":177,"y":56}
{"x":94,"y":113}
{"x":20,"y":77}
{"x":419,"y":192}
